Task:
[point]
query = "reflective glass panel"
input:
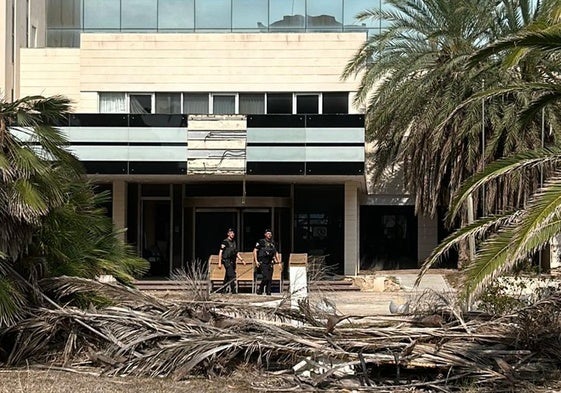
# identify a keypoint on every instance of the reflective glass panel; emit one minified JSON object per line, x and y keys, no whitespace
{"x":168,"y":103}
{"x":139,"y":14}
{"x":63,"y":38}
{"x":353,"y":7}
{"x":223,"y":104}
{"x":335,"y":103}
{"x":287,"y":15}
{"x":279,"y":103}
{"x":140,"y":103}
{"x":325,"y":15}
{"x":252,"y":104}
{"x":102,"y":14}
{"x":213,"y":15}
{"x":195,"y":103}
{"x":64,"y":13}
{"x":307,"y":103}
{"x":176,"y":14}
{"x":250,"y":15}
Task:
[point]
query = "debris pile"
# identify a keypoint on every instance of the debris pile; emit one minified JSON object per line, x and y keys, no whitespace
{"x":302,"y":348}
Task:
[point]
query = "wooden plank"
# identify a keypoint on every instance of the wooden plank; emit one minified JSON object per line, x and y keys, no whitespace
{"x":298,"y":259}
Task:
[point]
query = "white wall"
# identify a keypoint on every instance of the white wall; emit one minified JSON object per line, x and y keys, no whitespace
{"x":292,"y":62}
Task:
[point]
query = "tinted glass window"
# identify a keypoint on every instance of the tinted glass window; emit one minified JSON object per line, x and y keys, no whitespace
{"x":287,"y":15}
{"x":352,"y":8}
{"x":168,"y":103}
{"x":252,"y":104}
{"x":139,"y":14}
{"x":140,"y":103}
{"x":279,"y":103}
{"x":223,"y":104}
{"x":335,"y":103}
{"x":195,"y":103}
{"x":64,"y":13}
{"x":213,"y":14}
{"x":102,"y":14}
{"x":250,"y":15}
{"x":176,"y":14}
{"x":308,"y":103}
{"x":324,"y":15}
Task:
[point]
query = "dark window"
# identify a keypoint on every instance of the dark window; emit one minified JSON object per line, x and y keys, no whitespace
{"x":159,"y":190}
{"x":63,"y":14}
{"x":335,"y":103}
{"x":279,"y":103}
{"x":307,"y":103}
{"x":140,"y":103}
{"x":168,"y":103}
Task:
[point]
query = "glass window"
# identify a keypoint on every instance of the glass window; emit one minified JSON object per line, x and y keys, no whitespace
{"x":250,"y":15}
{"x":168,"y":103}
{"x":352,"y":8}
{"x":252,"y":104}
{"x":325,"y":15}
{"x":102,"y":14}
{"x":63,"y":38}
{"x":64,"y":13}
{"x":140,"y":103}
{"x":335,"y":103}
{"x":195,"y":103}
{"x":112,"y":103}
{"x":307,"y":103}
{"x":279,"y":103}
{"x":213,"y":15}
{"x":287,"y":15}
{"x":223,"y":104}
{"x":176,"y":14}
{"x":139,"y":14}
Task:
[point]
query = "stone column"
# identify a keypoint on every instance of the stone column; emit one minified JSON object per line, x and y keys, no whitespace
{"x":352,"y":254}
{"x":120,"y":205}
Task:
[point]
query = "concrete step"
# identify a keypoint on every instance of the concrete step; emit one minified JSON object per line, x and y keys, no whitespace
{"x":182,"y":285}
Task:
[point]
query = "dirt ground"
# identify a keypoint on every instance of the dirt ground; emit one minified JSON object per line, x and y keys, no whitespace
{"x":54,"y":381}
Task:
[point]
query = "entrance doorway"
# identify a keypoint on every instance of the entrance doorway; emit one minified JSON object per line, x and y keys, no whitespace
{"x":155,"y":240}
{"x":211,"y":226}
{"x":388,"y":237}
{"x":210,"y":229}
{"x":254,"y":223}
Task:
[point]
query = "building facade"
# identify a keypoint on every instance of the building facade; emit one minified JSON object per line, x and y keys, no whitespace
{"x":199,"y":115}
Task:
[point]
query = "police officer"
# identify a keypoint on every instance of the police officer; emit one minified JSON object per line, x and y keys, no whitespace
{"x":227,"y":256}
{"x":265,"y":256}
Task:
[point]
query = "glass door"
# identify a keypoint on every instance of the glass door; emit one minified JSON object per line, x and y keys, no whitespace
{"x":254,"y":223}
{"x":210,"y":229}
{"x":156,"y":240}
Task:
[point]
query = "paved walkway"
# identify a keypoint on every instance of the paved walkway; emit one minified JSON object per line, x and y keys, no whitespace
{"x":377,"y":303}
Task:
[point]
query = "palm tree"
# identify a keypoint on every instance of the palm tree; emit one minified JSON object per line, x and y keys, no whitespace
{"x":414,"y":77}
{"x":511,"y":236}
{"x":49,"y":222}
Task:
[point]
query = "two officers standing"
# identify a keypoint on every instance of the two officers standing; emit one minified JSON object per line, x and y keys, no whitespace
{"x":265,"y":255}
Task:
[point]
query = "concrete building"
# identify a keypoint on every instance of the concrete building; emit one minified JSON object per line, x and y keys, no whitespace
{"x":201,"y":115}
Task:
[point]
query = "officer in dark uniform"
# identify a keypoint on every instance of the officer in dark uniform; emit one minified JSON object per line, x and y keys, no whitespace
{"x":227,"y":256}
{"x":265,"y":256}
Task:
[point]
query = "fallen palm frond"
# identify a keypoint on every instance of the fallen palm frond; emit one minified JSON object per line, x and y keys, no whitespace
{"x":301,"y":348}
